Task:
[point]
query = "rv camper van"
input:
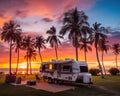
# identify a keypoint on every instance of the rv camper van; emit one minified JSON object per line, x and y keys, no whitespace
{"x":58,"y":71}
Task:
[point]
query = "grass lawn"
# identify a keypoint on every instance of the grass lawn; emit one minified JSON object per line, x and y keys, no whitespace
{"x":111,"y":82}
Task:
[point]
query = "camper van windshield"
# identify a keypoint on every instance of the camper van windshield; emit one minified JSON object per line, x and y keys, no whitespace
{"x":83,"y":69}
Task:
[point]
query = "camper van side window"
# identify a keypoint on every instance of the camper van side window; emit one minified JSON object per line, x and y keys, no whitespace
{"x":83,"y":69}
{"x":67,"y":68}
{"x":55,"y":66}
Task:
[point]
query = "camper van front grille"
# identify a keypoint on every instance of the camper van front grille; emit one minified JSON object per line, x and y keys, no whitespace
{"x":83,"y":69}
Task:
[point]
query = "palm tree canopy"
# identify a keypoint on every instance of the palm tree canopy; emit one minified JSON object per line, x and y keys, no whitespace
{"x":40,"y":42}
{"x":99,"y":33}
{"x":53,"y":38}
{"x":116,"y":48}
{"x":74,"y":21}
{"x":75,"y":25}
{"x":104,"y":46}
{"x":84,"y":45}
{"x":32,"y":54}
{"x":10,"y":31}
{"x":27,"y":42}
{"x":17,"y":44}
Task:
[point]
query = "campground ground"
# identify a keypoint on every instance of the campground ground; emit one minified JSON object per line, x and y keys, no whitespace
{"x":110,"y":86}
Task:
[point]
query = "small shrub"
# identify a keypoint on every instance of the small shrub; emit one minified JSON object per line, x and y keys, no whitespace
{"x":94,"y":72}
{"x":113,"y":71}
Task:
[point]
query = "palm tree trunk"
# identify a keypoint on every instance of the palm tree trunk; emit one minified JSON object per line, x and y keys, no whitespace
{"x":103,"y":62}
{"x":85,"y":56}
{"x":30,"y":66}
{"x":99,"y":63}
{"x":40,"y":55}
{"x":116,"y":61}
{"x":76,"y":49}
{"x":17,"y":60}
{"x":27,"y":63}
{"x":56,"y":53}
{"x":10,"y":58}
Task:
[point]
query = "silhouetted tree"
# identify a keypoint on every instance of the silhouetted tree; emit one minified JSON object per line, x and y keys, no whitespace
{"x":116,"y":51}
{"x":27,"y":44}
{"x":85,"y":47}
{"x":40,"y":44}
{"x":10,"y":33}
{"x":32,"y":56}
{"x":53,"y":39}
{"x":104,"y":47}
{"x":73,"y":22}
{"x":99,"y":34}
{"x":17,"y":46}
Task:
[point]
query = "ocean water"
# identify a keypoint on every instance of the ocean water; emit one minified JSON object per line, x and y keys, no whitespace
{"x":21,"y":71}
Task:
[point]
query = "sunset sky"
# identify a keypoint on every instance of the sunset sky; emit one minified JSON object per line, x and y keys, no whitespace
{"x":37,"y":16}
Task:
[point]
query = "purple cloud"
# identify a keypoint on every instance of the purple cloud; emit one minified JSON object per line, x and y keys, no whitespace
{"x":47,"y":20}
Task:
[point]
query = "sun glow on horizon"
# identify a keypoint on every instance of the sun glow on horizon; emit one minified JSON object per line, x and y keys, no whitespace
{"x":23,"y":66}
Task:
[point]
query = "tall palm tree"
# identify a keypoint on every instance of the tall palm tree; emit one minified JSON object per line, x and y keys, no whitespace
{"x":17,"y":46}
{"x":31,"y":56}
{"x":27,"y":43}
{"x":104,"y":47}
{"x":54,"y":39}
{"x":98,"y":35}
{"x":84,"y":46}
{"x":10,"y":32}
{"x":116,"y":51}
{"x":73,"y":22}
{"x":40,"y":43}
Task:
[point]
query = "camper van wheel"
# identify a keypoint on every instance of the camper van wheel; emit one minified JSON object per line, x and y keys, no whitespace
{"x":60,"y":82}
{"x":55,"y":81}
{"x":49,"y":80}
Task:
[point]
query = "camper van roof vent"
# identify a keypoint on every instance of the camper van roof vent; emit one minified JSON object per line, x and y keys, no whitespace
{"x":68,"y":59}
{"x":54,"y":60}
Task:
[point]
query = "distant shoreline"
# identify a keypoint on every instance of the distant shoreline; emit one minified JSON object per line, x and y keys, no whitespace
{"x":6,"y":70}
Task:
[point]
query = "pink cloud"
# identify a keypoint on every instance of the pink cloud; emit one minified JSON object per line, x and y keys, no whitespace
{"x":53,"y":8}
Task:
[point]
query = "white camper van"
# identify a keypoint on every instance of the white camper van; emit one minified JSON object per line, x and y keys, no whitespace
{"x":58,"y":71}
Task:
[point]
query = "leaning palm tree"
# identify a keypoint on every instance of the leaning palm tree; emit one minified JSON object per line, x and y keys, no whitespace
{"x":84,"y":46}
{"x":116,"y":51}
{"x":97,"y":36}
{"x":27,"y":43}
{"x":104,"y":47}
{"x":10,"y":32}
{"x":53,"y":39}
{"x":40,"y":43}
{"x":17,"y":46}
{"x":73,"y":23}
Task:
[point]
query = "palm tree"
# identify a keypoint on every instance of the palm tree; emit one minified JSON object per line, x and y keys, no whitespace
{"x":10,"y":32}
{"x":84,"y":46}
{"x":17,"y":46}
{"x":116,"y":51}
{"x":27,"y":43}
{"x":40,"y":43}
{"x":32,"y":56}
{"x":73,"y":22}
{"x":98,"y":35}
{"x":53,"y":39}
{"x":104,"y":47}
